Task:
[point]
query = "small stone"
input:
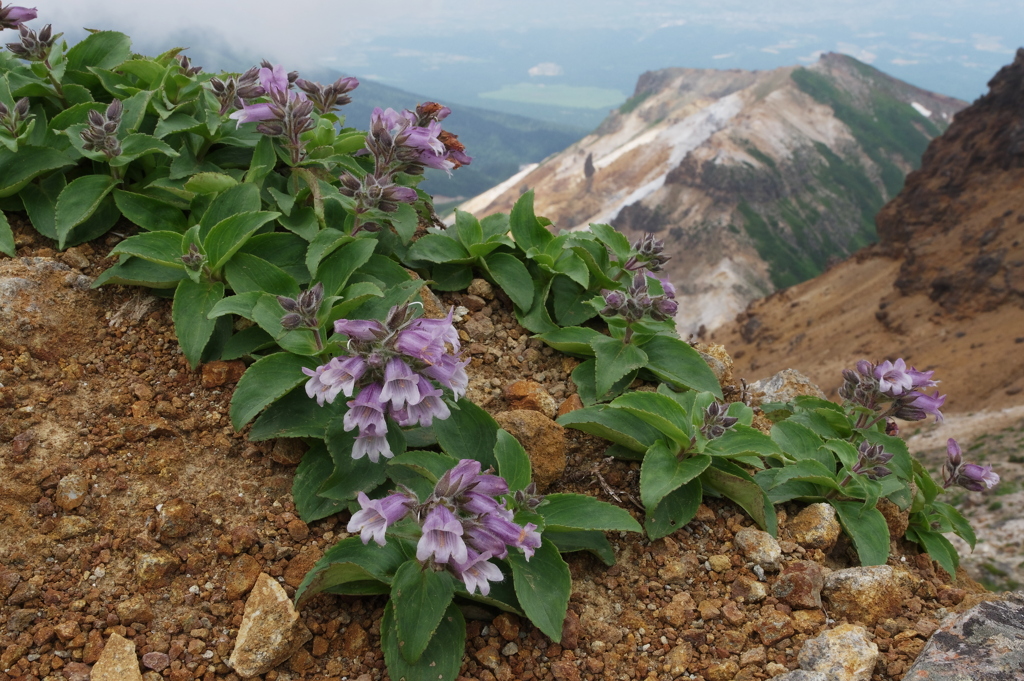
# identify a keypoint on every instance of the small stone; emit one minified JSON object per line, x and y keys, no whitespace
{"x":76,"y":671}
{"x":298,"y":530}
{"x":867,"y":594}
{"x":20,"y":620}
{"x":156,"y":661}
{"x":510,"y":649}
{"x":136,"y":429}
{"x":133,"y":610}
{"x":271,"y":630}
{"x":23,"y":593}
{"x":570,"y":404}
{"x":482,"y":288}
{"x":815,"y":527}
{"x":176,"y":519}
{"x":563,"y":669}
{"x":71,"y":491}
{"x":678,"y":659}
{"x":479,"y":327}
{"x":488,"y":657}
{"x":570,"y":631}
{"x":722,"y":671}
{"x":288,"y":451}
{"x":678,"y":569}
{"x":749,"y":590}
{"x":719,"y":563}
{"x":842,"y":654}
{"x":733,"y":614}
{"x":117,"y":661}
{"x":801,"y":675}
{"x":800,"y":584}
{"x":241,"y":577}
{"x":773,"y":627}
{"x":543,"y":440}
{"x":216,"y":374}
{"x":70,"y":526}
{"x":759,"y":547}
{"x":531,"y":395}
{"x":708,"y":610}
{"x":67,"y":630}
{"x":301,"y":661}
{"x":473,"y":303}
{"x":808,"y":621}
{"x":300,"y":565}
{"x":507,"y":625}
{"x":154,"y":570}
{"x":354,"y":641}
{"x":756,"y":655}
{"x":9,"y":579}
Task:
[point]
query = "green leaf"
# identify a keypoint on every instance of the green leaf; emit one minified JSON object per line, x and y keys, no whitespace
{"x":582,"y":512}
{"x":729,"y":479}
{"x":584,"y":376}
{"x":614,"y":240}
{"x":75,"y":115}
{"x":537,"y":318}
{"x":659,"y":411}
{"x":742,"y":440}
{"x":263,"y":160}
{"x":938,"y":548}
{"x":961,"y":527}
{"x":513,"y":461}
{"x":615,"y":359}
{"x":246,"y":343}
{"x":438,"y":248}
{"x":807,"y":470}
{"x":846,"y":452}
{"x":350,"y":476}
{"x":526,"y":229}
{"x":451,"y":277}
{"x":104,"y":50}
{"x":323,"y":244}
{"x":469,"y":433}
{"x":866,"y":527}
{"x":315,"y":467}
{"x":40,"y":202}
{"x":676,"y":508}
{"x":149,"y":213}
{"x":137,"y":145}
{"x":335,"y":270}
{"x":575,"y":340}
{"x":161,"y":247}
{"x":192,"y":303}
{"x":228,"y":235}
{"x":175,"y":123}
{"x":495,"y":226}
{"x":79,"y":201}
{"x":6,"y":236}
{"x":294,"y":415}
{"x":512,"y":276}
{"x":543,"y":585}
{"x":662,"y":472}
{"x":443,"y":656}
{"x":419,"y":597}
{"x":350,"y":561}
{"x":303,"y":222}
{"x":240,"y":304}
{"x":594,"y":541}
{"x":468,"y":228}
{"x":405,"y":221}
{"x":617,"y":425}
{"x":799,"y":442}
{"x":17,"y":170}
{"x":247,"y":273}
{"x":430,"y":465}
{"x":572,"y":302}
{"x":676,"y":363}
{"x":265,"y":381}
{"x":139,"y":272}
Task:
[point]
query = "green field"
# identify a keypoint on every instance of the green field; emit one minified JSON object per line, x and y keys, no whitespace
{"x":573,"y":96}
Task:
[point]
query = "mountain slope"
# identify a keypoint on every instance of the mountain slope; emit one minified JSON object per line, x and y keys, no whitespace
{"x":944,"y":287}
{"x":754,"y":179}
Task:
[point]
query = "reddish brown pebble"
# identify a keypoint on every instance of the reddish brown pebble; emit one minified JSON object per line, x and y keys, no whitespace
{"x":156,"y":661}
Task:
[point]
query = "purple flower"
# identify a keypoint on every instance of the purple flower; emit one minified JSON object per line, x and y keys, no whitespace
{"x":477,"y":572}
{"x":401,"y":384}
{"x":458,"y":479}
{"x":492,"y":533}
{"x":442,"y":537}
{"x":13,"y":16}
{"x":893,"y":379}
{"x":921,"y":379}
{"x":371,"y":444}
{"x":366,"y":410}
{"x":344,"y":373}
{"x":425,"y":338}
{"x":424,"y":412}
{"x":451,"y":373}
{"x":971,"y":476}
{"x":929,"y":404}
{"x":377,"y":515}
{"x":316,"y":386}
{"x":361,"y":329}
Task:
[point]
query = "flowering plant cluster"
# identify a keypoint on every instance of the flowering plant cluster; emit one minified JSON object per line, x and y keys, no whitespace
{"x":463,"y":524}
{"x":890,"y":389}
{"x":389,"y":370}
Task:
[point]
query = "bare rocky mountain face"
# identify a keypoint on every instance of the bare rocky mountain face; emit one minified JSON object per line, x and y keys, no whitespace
{"x":755,"y":179}
{"x":943,"y":288}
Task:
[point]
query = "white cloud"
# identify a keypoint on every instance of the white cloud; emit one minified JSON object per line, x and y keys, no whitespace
{"x":857,"y":52}
{"x":900,"y":61}
{"x":934,"y":38}
{"x":547,"y":68}
{"x":724,"y":56}
{"x":989,"y":43}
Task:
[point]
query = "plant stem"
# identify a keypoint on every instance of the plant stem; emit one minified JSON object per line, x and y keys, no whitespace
{"x":318,"y":339}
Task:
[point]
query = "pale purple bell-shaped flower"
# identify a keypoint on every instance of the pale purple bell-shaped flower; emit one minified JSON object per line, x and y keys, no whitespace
{"x":477,"y":572}
{"x":317,"y":387}
{"x":893,"y":379}
{"x":442,"y":537}
{"x":372,"y":442}
{"x":366,"y":409}
{"x":401,"y":384}
{"x":377,"y":515}
{"x":424,"y":412}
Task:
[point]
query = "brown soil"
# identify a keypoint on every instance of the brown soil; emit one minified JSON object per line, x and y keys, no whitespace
{"x":175,"y":507}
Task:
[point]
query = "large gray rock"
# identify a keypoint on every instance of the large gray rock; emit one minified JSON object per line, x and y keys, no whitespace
{"x":986,"y":643}
{"x":784,"y":386}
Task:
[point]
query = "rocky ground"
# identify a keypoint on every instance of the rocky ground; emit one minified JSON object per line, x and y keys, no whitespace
{"x":129,"y":507}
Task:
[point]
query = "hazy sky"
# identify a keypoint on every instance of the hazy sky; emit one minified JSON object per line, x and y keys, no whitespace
{"x":464,"y":48}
